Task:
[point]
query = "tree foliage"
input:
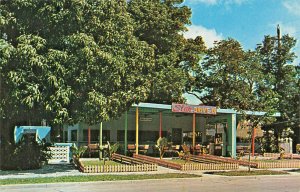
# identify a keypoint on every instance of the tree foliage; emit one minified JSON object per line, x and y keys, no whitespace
{"x":230,"y":77}
{"x":69,"y":61}
{"x":160,"y":24}
{"x":72,"y":60}
{"x":276,"y":57}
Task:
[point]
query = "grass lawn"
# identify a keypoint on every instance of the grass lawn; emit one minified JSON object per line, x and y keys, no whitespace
{"x":247,"y":173}
{"x":179,"y":161}
{"x":86,"y":163}
{"x":94,"y":178}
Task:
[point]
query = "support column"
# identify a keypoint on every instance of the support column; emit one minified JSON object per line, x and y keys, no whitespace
{"x":69,"y":136}
{"x":253,"y":142}
{"x":160,"y":124}
{"x":125,"y":133}
{"x":224,"y":136}
{"x":78,"y":135}
{"x":194,"y":130}
{"x":231,"y":147}
{"x":137,"y":131}
{"x":89,"y":136}
{"x":100,"y":140}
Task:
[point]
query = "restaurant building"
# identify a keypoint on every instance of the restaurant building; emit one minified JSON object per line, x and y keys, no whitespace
{"x":181,"y":124}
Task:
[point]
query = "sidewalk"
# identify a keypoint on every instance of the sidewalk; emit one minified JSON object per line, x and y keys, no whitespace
{"x":70,"y":170}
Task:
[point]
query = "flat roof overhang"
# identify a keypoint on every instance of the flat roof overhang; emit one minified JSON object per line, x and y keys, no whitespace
{"x":153,"y":107}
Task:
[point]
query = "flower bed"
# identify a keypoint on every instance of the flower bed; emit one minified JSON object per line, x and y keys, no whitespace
{"x":190,"y":166}
{"x":114,"y":168}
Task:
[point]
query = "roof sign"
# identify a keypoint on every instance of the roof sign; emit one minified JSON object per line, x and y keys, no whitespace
{"x":199,"y":109}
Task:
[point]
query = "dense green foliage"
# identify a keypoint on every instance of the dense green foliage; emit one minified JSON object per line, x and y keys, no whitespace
{"x":69,"y":60}
{"x":160,"y":24}
{"x":27,"y":154}
{"x":230,"y":77}
{"x":276,"y":56}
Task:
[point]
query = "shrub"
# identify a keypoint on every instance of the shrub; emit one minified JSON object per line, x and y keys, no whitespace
{"x":27,"y":154}
{"x":78,"y":152}
{"x":162,"y":144}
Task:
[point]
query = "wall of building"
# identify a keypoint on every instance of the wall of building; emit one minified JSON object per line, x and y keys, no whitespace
{"x":147,"y":122}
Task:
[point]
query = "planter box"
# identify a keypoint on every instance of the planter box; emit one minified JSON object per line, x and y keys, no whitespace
{"x":190,"y":166}
{"x":115,"y":168}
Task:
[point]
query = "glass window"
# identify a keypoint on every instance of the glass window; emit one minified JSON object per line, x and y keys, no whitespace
{"x":95,"y":135}
{"x":73,"y":135}
{"x":144,"y":136}
{"x":130,"y":135}
{"x":65,"y":136}
{"x":188,"y":136}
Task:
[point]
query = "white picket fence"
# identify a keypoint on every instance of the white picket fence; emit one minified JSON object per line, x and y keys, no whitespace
{"x":59,"y":155}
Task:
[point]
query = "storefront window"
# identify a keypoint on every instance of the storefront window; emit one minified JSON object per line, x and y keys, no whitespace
{"x":188,"y":136}
{"x":74,"y":135}
{"x":95,"y":135}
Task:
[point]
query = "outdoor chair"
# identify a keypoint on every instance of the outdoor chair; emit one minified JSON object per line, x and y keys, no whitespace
{"x":92,"y":148}
{"x":143,"y":148}
{"x":131,"y":148}
{"x":197,"y":149}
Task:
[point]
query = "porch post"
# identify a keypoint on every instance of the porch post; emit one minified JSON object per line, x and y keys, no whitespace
{"x":89,"y":136}
{"x":194,"y":130}
{"x":137,"y":131}
{"x":160,"y":124}
{"x":224,"y":136}
{"x":231,"y":149}
{"x":100,"y":140}
{"x":125,"y":133}
{"x":253,"y":142}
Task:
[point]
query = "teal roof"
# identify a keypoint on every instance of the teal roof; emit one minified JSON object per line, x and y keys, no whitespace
{"x":153,"y":107}
{"x":41,"y":132}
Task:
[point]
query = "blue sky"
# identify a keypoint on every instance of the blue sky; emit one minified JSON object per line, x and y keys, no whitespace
{"x":247,"y":21}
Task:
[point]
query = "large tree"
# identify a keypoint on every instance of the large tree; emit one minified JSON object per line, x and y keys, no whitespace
{"x":161,"y":24}
{"x":69,"y":61}
{"x":230,"y":77}
{"x":277,"y":56}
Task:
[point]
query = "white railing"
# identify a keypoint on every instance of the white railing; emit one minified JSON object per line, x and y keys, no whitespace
{"x":59,"y":154}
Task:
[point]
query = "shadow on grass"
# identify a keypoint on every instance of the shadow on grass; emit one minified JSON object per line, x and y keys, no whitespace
{"x":247,"y":173}
{"x":293,"y":170}
{"x":46,"y":169}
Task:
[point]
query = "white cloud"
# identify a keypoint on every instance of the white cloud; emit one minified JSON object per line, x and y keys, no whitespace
{"x":215,"y":2}
{"x":293,"y":6}
{"x":208,"y":35}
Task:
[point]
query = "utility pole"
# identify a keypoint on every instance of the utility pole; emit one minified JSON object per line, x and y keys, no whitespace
{"x":278,"y":37}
